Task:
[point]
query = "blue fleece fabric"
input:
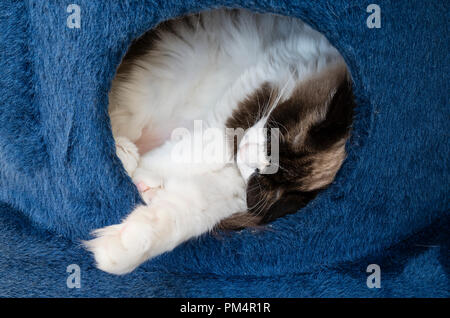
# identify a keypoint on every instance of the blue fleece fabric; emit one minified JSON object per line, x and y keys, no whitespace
{"x":60,"y":178}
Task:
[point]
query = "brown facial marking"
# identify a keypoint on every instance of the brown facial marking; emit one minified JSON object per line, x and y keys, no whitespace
{"x":249,"y":111}
{"x":314,"y":123}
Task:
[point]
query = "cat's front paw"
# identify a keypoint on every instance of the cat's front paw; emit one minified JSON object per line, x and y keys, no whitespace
{"x":119,"y":249}
{"x":128,"y":153}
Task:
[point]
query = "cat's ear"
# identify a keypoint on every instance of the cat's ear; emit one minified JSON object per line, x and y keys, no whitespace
{"x":326,"y":138}
{"x":336,"y":124}
{"x":319,"y":112}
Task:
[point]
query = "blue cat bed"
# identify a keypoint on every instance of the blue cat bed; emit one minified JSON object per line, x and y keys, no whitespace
{"x":60,"y":178}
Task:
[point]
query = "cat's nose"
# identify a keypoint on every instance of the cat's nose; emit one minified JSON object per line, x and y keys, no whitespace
{"x":248,"y":154}
{"x":253,"y":155}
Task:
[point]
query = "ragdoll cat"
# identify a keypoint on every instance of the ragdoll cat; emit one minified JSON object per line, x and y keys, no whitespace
{"x":242,"y":76}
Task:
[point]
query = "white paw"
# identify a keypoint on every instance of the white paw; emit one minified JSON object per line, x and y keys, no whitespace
{"x":119,"y":249}
{"x":128,"y":153}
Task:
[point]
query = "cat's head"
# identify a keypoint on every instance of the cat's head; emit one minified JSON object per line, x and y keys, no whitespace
{"x":283,"y":173}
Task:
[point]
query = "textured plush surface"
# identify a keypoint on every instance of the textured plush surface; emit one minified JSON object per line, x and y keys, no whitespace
{"x":59,"y":177}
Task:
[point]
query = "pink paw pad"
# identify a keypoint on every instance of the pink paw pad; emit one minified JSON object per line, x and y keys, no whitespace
{"x":142,"y":187}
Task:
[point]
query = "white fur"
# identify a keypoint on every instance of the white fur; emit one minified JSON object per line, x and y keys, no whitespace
{"x":203,"y":77}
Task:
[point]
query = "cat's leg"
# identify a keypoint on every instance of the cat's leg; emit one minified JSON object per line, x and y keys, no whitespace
{"x":128,"y":153}
{"x":183,"y":209}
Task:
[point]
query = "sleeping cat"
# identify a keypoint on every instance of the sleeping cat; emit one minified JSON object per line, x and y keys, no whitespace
{"x":223,"y":119}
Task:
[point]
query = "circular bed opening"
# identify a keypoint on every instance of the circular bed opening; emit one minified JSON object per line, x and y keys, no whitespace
{"x":270,"y":90}
{"x":246,"y":62}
